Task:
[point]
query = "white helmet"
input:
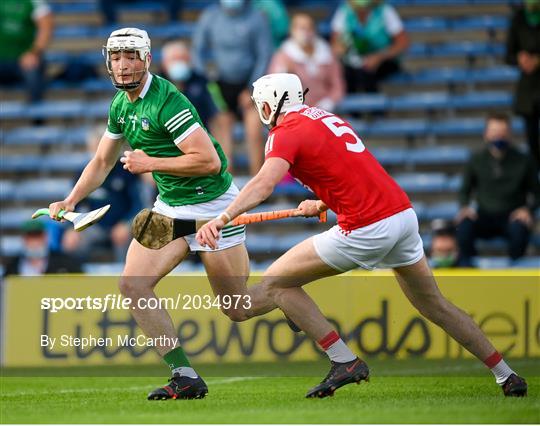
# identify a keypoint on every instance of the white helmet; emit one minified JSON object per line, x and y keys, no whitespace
{"x":281,"y":91}
{"x":128,"y":39}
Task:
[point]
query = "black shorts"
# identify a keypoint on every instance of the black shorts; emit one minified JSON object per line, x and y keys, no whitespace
{"x":230,"y":93}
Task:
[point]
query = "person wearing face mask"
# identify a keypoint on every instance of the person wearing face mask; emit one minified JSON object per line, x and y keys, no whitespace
{"x":177,"y":68}
{"x":506,"y":191}
{"x":311,"y":58}
{"x":369,"y":38}
{"x":36,"y":258}
{"x":238,"y":39}
{"x":523,"y":50}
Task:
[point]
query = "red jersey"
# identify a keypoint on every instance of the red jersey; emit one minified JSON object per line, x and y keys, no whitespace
{"x":328,"y":158}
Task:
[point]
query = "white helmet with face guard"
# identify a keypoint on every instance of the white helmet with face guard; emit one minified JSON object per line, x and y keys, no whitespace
{"x":128,"y":40}
{"x":281,"y":91}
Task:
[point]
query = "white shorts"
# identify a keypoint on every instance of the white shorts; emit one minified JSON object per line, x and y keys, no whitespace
{"x":230,"y":236}
{"x":388,"y":243}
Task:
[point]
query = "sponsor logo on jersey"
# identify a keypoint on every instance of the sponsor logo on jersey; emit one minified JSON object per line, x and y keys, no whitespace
{"x":145,"y":123}
{"x":121,"y":120}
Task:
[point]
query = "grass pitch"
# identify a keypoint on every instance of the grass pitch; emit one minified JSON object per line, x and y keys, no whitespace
{"x":411,"y":391}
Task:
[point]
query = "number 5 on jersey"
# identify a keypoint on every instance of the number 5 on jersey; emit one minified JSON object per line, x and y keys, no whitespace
{"x":333,"y":122}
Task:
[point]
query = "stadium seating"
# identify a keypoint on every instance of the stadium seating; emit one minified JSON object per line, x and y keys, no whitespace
{"x":423,"y":126}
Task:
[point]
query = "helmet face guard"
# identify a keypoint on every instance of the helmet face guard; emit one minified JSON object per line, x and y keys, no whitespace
{"x":128,"y":40}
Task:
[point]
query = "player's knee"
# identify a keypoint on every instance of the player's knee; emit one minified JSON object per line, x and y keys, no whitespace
{"x":132,"y":286}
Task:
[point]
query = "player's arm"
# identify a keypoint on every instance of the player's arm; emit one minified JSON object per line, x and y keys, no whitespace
{"x":259,"y":188}
{"x":255,"y":192}
{"x":200,"y":158}
{"x":93,"y":175}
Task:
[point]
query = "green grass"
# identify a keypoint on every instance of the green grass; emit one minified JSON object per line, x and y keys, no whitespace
{"x":412,"y":391}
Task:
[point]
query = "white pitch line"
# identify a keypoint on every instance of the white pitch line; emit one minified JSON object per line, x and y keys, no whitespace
{"x":132,"y":388}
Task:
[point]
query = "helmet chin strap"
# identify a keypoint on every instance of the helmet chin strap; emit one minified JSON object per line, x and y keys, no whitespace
{"x":278,"y":110}
{"x":304,"y":94}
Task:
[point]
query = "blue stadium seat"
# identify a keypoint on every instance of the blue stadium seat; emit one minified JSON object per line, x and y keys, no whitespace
{"x":491,"y":99}
{"x":527,"y":262}
{"x":12,"y":219}
{"x":397,"y":127}
{"x":425,"y":101}
{"x":20,"y":163}
{"x":439,"y":155}
{"x":362,"y":103}
{"x":72,"y":31}
{"x":458,"y":126}
{"x":105,"y":268}
{"x":11,"y":245}
{"x":498,"y":74}
{"x":65,"y":162}
{"x":445,"y":75}
{"x":42,"y":135}
{"x":285,"y":242}
{"x":426,"y":24}
{"x":98,"y":109}
{"x":462,"y":48}
{"x":446,"y":210}
{"x":46,"y":190}
{"x":491,"y":262}
{"x":97,"y":85}
{"x":260,"y":243}
{"x":7,"y":190}
{"x":485,"y":22}
{"x":390,"y":156}
{"x":454,"y":183}
{"x":422,"y":182}
{"x":82,"y":7}
{"x":417,"y":50}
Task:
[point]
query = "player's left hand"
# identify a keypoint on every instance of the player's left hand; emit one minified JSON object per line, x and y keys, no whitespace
{"x":308,"y":208}
{"x":208,"y":235}
{"x":136,"y":162}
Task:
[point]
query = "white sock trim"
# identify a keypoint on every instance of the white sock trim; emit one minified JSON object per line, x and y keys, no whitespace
{"x":501,"y":372}
{"x":340,"y":352}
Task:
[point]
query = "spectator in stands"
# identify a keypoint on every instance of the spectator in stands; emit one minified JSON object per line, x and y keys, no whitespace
{"x":109,"y":8}
{"x":311,"y":58}
{"x":36,"y":259}
{"x":238,"y":38}
{"x":506,"y":191}
{"x":444,"y":245}
{"x":177,"y":67}
{"x":523,"y":50}
{"x":277,"y":16}
{"x":123,"y":191}
{"x":26,"y":28}
{"x":369,"y":37}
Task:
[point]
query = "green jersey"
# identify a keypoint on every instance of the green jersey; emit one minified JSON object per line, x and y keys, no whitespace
{"x":158,"y":122}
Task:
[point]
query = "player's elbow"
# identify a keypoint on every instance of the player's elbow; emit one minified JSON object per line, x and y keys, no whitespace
{"x":213,"y":166}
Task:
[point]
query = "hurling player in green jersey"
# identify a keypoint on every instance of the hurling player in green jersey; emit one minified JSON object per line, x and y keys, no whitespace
{"x":167,"y":139}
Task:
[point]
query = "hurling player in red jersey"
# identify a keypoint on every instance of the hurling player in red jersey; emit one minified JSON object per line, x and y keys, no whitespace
{"x":376,"y":228}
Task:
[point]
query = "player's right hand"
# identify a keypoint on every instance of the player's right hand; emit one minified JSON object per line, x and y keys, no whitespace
{"x":54,"y":209}
{"x":308,"y":208}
